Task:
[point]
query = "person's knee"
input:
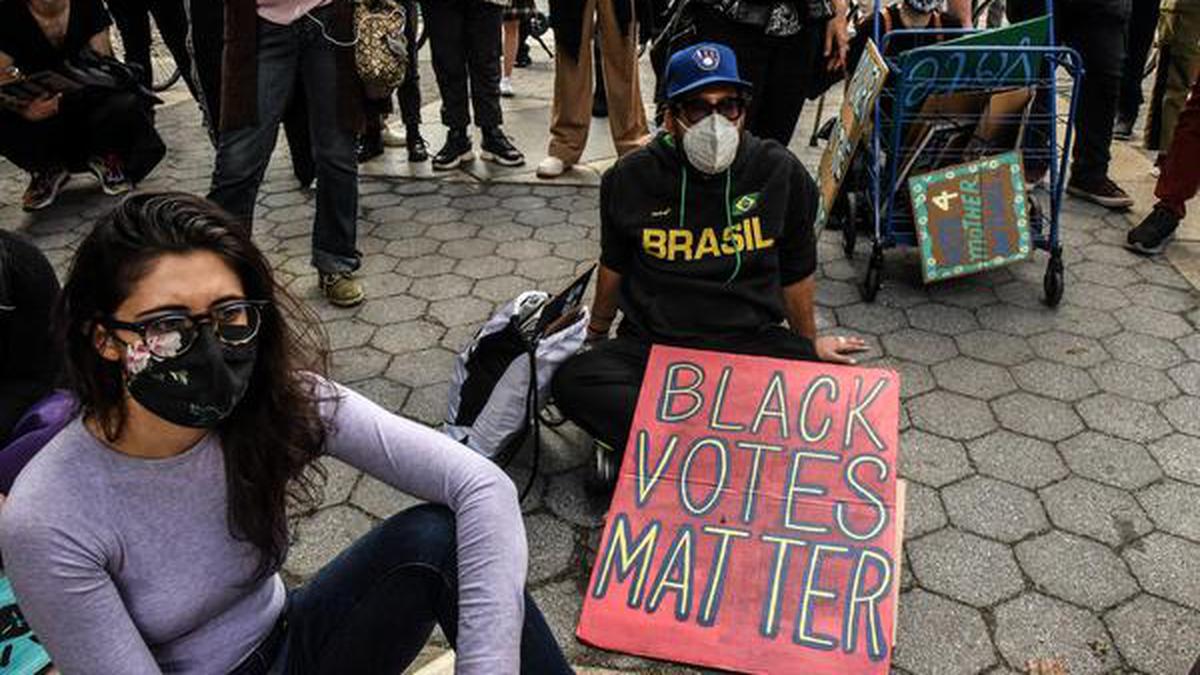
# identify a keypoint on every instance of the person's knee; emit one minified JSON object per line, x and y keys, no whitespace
{"x":426,"y":532}
{"x":567,"y":380}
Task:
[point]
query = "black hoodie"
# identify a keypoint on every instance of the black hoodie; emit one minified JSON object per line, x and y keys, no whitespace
{"x":717,"y":271}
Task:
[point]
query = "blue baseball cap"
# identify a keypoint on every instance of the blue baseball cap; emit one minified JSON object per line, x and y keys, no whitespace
{"x":702,"y":65}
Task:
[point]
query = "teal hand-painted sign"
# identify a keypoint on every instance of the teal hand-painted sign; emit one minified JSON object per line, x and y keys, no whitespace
{"x":971,"y":217}
{"x":20,"y":652}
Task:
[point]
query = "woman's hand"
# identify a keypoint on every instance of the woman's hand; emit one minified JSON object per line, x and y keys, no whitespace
{"x":42,"y":108}
{"x":837,"y":349}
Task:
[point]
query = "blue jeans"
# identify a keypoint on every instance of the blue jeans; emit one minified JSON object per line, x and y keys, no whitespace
{"x":372,"y":608}
{"x":243,"y":154}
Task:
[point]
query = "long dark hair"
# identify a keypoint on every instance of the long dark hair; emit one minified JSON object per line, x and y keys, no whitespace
{"x":275,"y":433}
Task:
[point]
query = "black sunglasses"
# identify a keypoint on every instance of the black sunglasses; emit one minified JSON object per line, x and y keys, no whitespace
{"x":167,"y":335}
{"x":695,"y":109}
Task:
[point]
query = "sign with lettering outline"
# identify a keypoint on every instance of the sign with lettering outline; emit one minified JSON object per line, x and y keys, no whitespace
{"x":971,"y":217}
{"x":756,"y":520}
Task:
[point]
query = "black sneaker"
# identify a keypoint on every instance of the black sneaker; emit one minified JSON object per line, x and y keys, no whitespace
{"x":110,"y":171}
{"x":606,"y":462}
{"x":417,"y":150}
{"x":1123,"y":129}
{"x":1150,"y":237}
{"x":1100,"y":191}
{"x":456,"y":151}
{"x":370,"y":146}
{"x":43,"y":188}
{"x":497,"y":148}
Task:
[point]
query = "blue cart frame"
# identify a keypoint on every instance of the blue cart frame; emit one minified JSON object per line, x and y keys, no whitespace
{"x":1019,"y":66}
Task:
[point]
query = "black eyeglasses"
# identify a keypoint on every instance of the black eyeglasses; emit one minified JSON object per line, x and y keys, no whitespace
{"x":234,"y":323}
{"x":696,"y":109}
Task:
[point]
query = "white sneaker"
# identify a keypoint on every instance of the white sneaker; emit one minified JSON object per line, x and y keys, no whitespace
{"x":551,"y":167}
{"x":506,"y":88}
{"x":393,"y":139}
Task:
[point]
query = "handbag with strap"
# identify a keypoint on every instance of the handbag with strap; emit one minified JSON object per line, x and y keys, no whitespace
{"x":381,"y":50}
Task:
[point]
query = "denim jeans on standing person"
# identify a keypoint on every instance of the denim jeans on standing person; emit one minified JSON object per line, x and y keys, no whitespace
{"x":243,"y":154}
{"x":373,"y":607}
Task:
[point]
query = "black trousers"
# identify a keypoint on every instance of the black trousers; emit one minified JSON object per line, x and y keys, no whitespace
{"x":1139,"y":37}
{"x":598,"y":389}
{"x":780,"y":68}
{"x":133,"y":21}
{"x":1100,"y":41}
{"x":89,"y":124}
{"x":464,"y":36}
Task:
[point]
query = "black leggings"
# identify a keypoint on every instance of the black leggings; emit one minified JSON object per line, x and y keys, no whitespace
{"x":133,"y":21}
{"x":598,"y":389}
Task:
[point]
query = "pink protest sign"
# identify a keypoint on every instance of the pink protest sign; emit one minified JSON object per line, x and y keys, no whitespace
{"x":755,"y":525}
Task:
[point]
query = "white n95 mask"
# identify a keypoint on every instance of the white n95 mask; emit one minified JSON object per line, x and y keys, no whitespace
{"x":711,"y":144}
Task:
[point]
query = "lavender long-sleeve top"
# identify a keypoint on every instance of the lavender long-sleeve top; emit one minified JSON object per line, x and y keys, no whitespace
{"x":126,"y":566}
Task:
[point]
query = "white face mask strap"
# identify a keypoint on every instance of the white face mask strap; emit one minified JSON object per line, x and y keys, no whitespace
{"x":325,"y":34}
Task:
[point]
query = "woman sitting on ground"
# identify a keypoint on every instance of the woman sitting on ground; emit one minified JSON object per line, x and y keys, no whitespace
{"x":108,"y":132}
{"x":147,"y":536}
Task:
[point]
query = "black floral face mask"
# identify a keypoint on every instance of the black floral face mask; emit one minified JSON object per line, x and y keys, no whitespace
{"x":199,"y":387}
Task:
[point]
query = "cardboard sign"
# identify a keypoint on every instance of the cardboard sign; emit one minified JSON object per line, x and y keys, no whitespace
{"x":971,"y":217}
{"x":858,"y":109}
{"x":944,"y":68}
{"x":755,"y":522}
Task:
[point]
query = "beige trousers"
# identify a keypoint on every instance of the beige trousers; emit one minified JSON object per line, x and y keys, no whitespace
{"x":571,"y":114}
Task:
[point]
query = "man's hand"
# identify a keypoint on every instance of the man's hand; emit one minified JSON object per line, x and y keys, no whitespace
{"x":837,"y":39}
{"x":838,"y":349}
{"x":41,"y":109}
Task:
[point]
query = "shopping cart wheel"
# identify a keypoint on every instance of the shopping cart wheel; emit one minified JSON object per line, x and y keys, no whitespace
{"x":850,"y":225}
{"x":1052,"y":283}
{"x":870,"y":286}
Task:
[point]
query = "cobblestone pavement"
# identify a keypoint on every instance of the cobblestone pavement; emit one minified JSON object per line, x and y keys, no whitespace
{"x":1053,"y":455}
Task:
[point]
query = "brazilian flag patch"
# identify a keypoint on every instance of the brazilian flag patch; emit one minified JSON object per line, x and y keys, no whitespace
{"x":745,"y":204}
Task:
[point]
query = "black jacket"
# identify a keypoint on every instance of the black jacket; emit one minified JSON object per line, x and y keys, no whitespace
{"x":695,"y":265}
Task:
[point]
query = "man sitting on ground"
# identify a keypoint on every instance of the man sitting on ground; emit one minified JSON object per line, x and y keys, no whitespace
{"x":706,"y":242}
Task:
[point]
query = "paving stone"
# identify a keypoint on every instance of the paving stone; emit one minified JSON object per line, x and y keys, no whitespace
{"x":1109,"y":460}
{"x":568,"y":500}
{"x":871,"y":318}
{"x":1152,"y":321}
{"x":441,"y":286}
{"x":484,"y":268}
{"x":359,"y":363}
{"x":1133,"y":381}
{"x":1155,"y":636}
{"x":1173,"y":507}
{"x":915,"y":379}
{"x":540,"y":217}
{"x":951,"y":415}
{"x":462,"y":249}
{"x":1162,"y":298}
{"x":1184,"y":414}
{"x":994,"y":509}
{"x":502,"y":289}
{"x":319,"y":538}
{"x":1179,"y":457}
{"x":1055,"y":380}
{"x":417,"y":369}
{"x":467,"y":310}
{"x":427,"y":404}
{"x":993,"y":347}
{"x":1167,"y":566}
{"x":380,"y":499}
{"x":965,"y":567}
{"x":1017,"y":321}
{"x":1075,"y":569}
{"x":1085,"y":322}
{"x":973,"y":378}
{"x":411,"y":248}
{"x":938,"y":318}
{"x":409,"y":336}
{"x":346,"y":333}
{"x":832,"y":293}
{"x":380,"y":286}
{"x":1187,"y":377}
{"x":391,"y":310}
{"x":936,"y":635}
{"x":1034,"y":626}
{"x":1070,"y":350}
{"x":915,"y":345}
{"x":561,"y":603}
{"x":339,"y":481}
{"x":1037,"y":416}
{"x":1018,"y":459}
{"x":424,"y":267}
{"x":923,"y":512}
{"x":546,"y":268}
{"x":388,"y":394}
{"x":1132,"y":420}
{"x":1144,"y":350}
{"x":551,"y":547}
{"x":1098,"y":511}
{"x":1095,"y":296}
{"x":560,"y":234}
{"x":523,"y":249}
